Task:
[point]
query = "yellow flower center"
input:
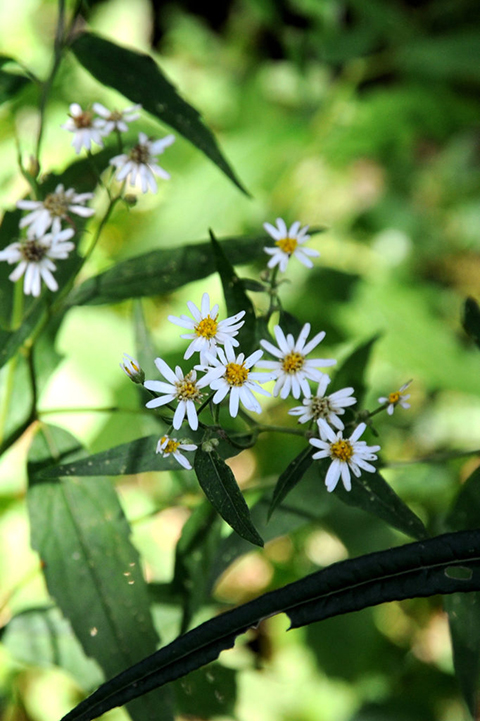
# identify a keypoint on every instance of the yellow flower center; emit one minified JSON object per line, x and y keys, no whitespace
{"x":171,"y":445}
{"x":342,"y":450}
{"x":187,"y":389}
{"x":394,"y":397}
{"x":236,"y":374}
{"x":293,"y":362}
{"x":84,"y":120}
{"x":207,"y":328}
{"x":32,"y":251}
{"x":140,"y":154}
{"x":56,"y":204}
{"x":287,"y":244}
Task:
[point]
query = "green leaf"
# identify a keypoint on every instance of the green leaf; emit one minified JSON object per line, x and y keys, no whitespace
{"x":193,"y":557}
{"x":207,"y":692}
{"x":414,"y":570}
{"x":9,"y":233}
{"x":371,"y":493}
{"x":12,"y":341}
{"x":221,"y":489}
{"x":464,"y":610}
{"x":352,"y":370}
{"x":11,"y":83}
{"x":43,"y":637}
{"x":142,"y":81}
{"x":235,"y":297}
{"x":471,"y":320}
{"x":91,"y":568}
{"x":161,"y":271}
{"x":137,"y":456}
{"x":290,"y":477}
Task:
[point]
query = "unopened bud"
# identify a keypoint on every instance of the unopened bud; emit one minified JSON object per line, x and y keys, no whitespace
{"x":132,"y":368}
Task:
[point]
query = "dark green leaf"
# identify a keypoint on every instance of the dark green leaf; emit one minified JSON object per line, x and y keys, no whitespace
{"x":161,"y":271}
{"x":142,"y":81}
{"x":464,"y":619}
{"x":471,"y":320}
{"x":137,"y":456}
{"x":11,"y":83}
{"x":464,"y":610}
{"x":254,"y":285}
{"x":290,"y":477}
{"x":207,"y":692}
{"x":352,"y":370}
{"x":11,"y":342}
{"x":409,"y":571}
{"x":372,"y":494}
{"x":43,"y":637}
{"x":289,"y":323}
{"x":92,"y":570}
{"x":9,"y":233}
{"x":221,"y":489}
{"x":235,"y":297}
{"x":193,"y":557}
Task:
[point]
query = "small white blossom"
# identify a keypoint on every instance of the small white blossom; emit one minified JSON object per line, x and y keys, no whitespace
{"x":183,"y":388}
{"x":167,"y":446}
{"x":346,"y":454}
{"x":206,"y":331}
{"x":230,"y":374}
{"x":132,"y":368}
{"x":52,"y":210}
{"x":110,"y":120}
{"x":35,"y":258}
{"x":82,"y":125}
{"x":292,"y":369}
{"x":142,"y":163}
{"x":322,"y":406}
{"x":397,"y":398}
{"x":288,"y":242}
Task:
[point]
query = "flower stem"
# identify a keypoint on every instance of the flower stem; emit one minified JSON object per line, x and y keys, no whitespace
{"x":58,"y":46}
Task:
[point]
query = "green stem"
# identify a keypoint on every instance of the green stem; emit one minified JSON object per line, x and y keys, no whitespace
{"x":47,"y":85}
{"x":17,"y":314}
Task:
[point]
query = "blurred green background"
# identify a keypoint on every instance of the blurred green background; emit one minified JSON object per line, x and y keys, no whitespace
{"x":361,"y":116}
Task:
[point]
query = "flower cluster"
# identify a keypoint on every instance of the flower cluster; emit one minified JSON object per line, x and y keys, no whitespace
{"x":45,"y":239}
{"x":140,"y":163}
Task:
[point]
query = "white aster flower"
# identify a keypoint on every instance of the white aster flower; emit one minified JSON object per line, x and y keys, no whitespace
{"x":110,"y":120}
{"x":166,"y":446}
{"x":322,"y":406}
{"x":142,"y":163}
{"x":230,"y":374}
{"x":81,"y":123}
{"x":346,"y":454}
{"x":35,"y":258}
{"x":397,"y":398}
{"x":288,"y":242}
{"x":184,"y":389}
{"x":52,"y":210}
{"x":292,"y":369}
{"x":132,"y":368}
{"x":206,"y":330}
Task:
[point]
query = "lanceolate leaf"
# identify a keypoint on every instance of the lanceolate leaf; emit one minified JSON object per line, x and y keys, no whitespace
{"x":161,"y":271}
{"x":11,"y":342}
{"x":221,"y":489}
{"x":352,"y":370}
{"x":471,"y":319}
{"x":142,"y":81}
{"x":372,"y":494}
{"x":414,"y":570}
{"x":464,"y":609}
{"x":137,"y":456}
{"x":92,"y":570}
{"x":290,"y":477}
{"x":235,"y":297}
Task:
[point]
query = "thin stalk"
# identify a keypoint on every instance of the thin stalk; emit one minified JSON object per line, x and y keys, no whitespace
{"x":47,"y":85}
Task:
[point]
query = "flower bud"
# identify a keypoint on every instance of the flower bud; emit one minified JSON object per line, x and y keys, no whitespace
{"x":132,"y":368}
